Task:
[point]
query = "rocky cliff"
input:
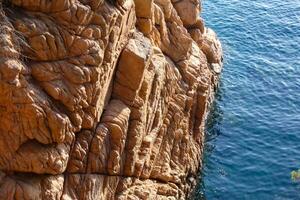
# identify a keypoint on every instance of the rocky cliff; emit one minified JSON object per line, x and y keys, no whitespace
{"x":103,"y":99}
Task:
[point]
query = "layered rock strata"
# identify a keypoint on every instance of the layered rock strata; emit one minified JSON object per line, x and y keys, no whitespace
{"x":103,"y":99}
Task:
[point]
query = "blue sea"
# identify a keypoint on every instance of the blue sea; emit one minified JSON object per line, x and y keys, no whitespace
{"x":253,"y":132}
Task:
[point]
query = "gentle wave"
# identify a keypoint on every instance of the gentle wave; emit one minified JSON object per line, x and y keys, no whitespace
{"x":253,"y":135}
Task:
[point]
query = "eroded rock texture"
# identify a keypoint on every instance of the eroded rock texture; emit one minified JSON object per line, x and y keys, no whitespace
{"x":103,"y":99}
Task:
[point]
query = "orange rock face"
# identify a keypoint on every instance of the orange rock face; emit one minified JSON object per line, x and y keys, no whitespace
{"x":103,"y":99}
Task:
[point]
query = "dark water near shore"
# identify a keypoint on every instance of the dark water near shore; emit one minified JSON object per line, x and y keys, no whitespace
{"x":253,"y":135}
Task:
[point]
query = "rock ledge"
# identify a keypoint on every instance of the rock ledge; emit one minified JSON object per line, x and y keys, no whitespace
{"x":103,"y":99}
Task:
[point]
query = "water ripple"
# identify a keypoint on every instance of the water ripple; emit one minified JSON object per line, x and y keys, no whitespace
{"x":253,"y":134}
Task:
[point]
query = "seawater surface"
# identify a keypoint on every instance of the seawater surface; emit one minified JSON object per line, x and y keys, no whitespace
{"x":253,"y":134}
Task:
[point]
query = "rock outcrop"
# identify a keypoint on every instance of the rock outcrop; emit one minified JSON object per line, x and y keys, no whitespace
{"x":103,"y":99}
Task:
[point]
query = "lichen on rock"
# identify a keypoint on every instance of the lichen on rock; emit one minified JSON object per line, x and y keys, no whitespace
{"x":103,"y":99}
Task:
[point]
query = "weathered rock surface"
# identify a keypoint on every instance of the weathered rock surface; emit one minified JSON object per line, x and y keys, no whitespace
{"x":103,"y":99}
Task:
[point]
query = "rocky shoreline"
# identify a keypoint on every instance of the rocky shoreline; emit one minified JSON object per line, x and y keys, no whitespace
{"x":104,"y":99}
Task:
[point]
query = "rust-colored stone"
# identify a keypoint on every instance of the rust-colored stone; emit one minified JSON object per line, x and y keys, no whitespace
{"x":103,"y":99}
